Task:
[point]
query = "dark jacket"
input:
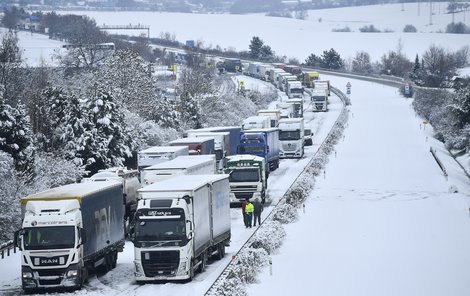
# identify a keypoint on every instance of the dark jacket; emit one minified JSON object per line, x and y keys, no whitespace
{"x":258,"y":207}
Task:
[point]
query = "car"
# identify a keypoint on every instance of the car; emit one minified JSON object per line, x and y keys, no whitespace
{"x":308,"y":134}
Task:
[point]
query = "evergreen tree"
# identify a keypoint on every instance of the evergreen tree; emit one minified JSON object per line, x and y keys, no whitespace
{"x":266,"y":53}
{"x":107,"y":144}
{"x":331,"y":60}
{"x":165,"y":113}
{"x":313,"y":60}
{"x":460,"y":106}
{"x":256,"y":45}
{"x":16,"y":137}
{"x":416,"y":74}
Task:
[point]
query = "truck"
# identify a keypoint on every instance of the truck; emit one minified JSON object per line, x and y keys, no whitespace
{"x":130,"y":182}
{"x":255,"y":122}
{"x":221,"y":142}
{"x":264,"y":70}
{"x":182,"y":165}
{"x":322,"y":84}
{"x":279,"y":78}
{"x":309,"y":77}
{"x":196,"y":146}
{"x":291,"y":136}
{"x":273,"y":114}
{"x":253,"y":69}
{"x":319,"y":98}
{"x":248,"y":177}
{"x":295,"y":90}
{"x":180,"y":223}
{"x":232,"y":65}
{"x":287,"y":109}
{"x":273,"y":74}
{"x":298,"y":106}
{"x":157,"y":154}
{"x":285,"y":79}
{"x":263,"y":143}
{"x":67,"y":232}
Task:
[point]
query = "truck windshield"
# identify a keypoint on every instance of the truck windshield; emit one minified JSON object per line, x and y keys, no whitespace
{"x":289,"y":135}
{"x":244,"y":175}
{"x":251,"y":149}
{"x":160,"y":229}
{"x":218,"y":154}
{"x":53,"y":237}
{"x":296,"y":90}
{"x":318,"y":99}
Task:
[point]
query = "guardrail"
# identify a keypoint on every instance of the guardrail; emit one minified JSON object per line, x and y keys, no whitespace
{"x":320,"y":151}
{"x":5,"y":249}
{"x":441,"y":165}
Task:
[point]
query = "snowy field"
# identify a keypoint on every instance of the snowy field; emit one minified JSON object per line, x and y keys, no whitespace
{"x":299,"y":38}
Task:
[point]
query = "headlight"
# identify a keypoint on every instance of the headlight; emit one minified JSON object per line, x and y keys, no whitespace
{"x":138,"y":268}
{"x":27,"y":275}
{"x":182,"y":268}
{"x":72,"y":273}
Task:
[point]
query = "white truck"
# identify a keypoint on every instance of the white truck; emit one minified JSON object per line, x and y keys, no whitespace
{"x":248,"y":177}
{"x":180,"y":223}
{"x":279,"y":79}
{"x":129,"y":180}
{"x":319,"y":98}
{"x":182,"y":165}
{"x":273,"y":114}
{"x":273,"y":75}
{"x":298,"y":106}
{"x":256,"y":122}
{"x":69,"y":231}
{"x":287,"y":110}
{"x":264,"y":70}
{"x":291,"y":136}
{"x":285,"y":80}
{"x":157,"y":154}
{"x":322,"y":84}
{"x":294,"y":89}
{"x":221,"y":142}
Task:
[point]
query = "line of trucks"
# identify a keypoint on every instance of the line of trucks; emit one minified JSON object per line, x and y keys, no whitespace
{"x":175,"y":207}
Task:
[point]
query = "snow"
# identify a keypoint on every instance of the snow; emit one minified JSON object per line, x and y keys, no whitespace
{"x":381,"y":221}
{"x":299,"y":38}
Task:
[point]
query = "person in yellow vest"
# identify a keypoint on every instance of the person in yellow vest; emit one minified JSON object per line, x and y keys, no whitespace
{"x":249,"y":208}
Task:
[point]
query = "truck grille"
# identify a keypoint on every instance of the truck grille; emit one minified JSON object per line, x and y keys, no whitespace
{"x":289,"y":147}
{"x":158,"y":263}
{"x":50,"y":282}
{"x":51,"y":272}
{"x":247,"y":188}
{"x":319,"y":106}
{"x":243,"y":195}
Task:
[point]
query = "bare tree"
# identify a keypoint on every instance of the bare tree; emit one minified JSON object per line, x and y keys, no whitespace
{"x":361,"y":63}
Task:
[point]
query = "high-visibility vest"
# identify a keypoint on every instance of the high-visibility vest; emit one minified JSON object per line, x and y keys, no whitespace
{"x":249,"y":208}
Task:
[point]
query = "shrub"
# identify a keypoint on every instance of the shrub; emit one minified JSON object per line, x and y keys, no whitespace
{"x":285,"y":213}
{"x":369,"y":29}
{"x":410,"y":29}
{"x":345,"y":29}
{"x":269,"y":237}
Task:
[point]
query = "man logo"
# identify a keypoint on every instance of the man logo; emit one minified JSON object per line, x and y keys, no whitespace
{"x":50,"y":261}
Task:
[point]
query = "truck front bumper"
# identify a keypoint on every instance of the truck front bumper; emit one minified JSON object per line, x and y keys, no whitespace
{"x":34,"y":279}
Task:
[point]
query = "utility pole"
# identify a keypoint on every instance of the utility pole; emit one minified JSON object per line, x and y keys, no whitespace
{"x":430,"y":12}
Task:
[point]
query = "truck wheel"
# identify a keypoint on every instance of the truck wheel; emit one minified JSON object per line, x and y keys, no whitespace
{"x":203,"y":264}
{"x":114,"y":256}
{"x":220,"y":251}
{"x":191,"y":271}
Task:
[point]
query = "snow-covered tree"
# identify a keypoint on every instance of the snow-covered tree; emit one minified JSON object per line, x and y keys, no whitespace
{"x":16,"y":137}
{"x":127,"y":77}
{"x":331,"y":60}
{"x":361,"y":63}
{"x":193,"y":86}
{"x":109,"y":145}
{"x":165,"y":113}
{"x":11,"y":71}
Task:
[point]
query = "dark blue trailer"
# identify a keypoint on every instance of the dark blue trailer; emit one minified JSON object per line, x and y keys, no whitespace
{"x":261,"y":142}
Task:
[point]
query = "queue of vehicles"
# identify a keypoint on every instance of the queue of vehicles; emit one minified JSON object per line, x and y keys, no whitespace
{"x":178,"y":201}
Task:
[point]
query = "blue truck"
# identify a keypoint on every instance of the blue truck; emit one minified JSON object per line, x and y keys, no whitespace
{"x":261,"y":142}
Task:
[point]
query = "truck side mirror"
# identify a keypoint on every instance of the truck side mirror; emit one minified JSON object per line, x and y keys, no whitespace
{"x":17,"y":238}
{"x":267,"y":149}
{"x":83,"y":235}
{"x":190,"y":227}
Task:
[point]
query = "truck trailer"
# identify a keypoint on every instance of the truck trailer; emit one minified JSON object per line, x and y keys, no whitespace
{"x":263,"y":143}
{"x":256,"y":122}
{"x":221,"y":142}
{"x":157,"y":154}
{"x":180,"y":223}
{"x":196,"y":146}
{"x":291,"y":136}
{"x":69,"y":231}
{"x":273,"y":114}
{"x":182,"y":165}
{"x":248,"y":177}
{"x":298,"y":105}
